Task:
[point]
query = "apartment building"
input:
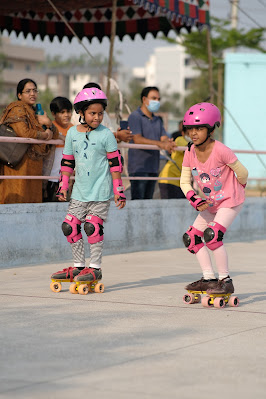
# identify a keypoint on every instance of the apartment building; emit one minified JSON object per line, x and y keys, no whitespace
{"x":20,"y":62}
{"x":171,"y":69}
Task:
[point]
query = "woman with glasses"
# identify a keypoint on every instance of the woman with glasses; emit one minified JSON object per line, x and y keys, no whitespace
{"x":20,"y":116}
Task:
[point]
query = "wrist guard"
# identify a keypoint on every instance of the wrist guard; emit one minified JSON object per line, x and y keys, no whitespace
{"x":194,"y":199}
{"x":119,"y":189}
{"x":63,"y":184}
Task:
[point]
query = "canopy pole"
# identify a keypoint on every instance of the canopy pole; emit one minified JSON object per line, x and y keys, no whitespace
{"x":210,"y":71}
{"x":111,"y":50}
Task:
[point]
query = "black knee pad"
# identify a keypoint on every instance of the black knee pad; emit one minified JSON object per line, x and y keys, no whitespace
{"x":192,"y":240}
{"x":94,"y":229}
{"x":71,"y":228}
{"x":213,"y":235}
{"x":89,"y":228}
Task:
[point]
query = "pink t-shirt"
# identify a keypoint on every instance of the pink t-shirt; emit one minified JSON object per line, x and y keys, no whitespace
{"x":215,"y":179}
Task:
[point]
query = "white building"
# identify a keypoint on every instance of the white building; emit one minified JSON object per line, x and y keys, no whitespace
{"x":171,"y":69}
{"x":19,"y":62}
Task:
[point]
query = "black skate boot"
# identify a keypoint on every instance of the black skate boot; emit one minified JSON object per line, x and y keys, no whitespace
{"x":224,"y":286}
{"x":89,"y":274}
{"x":202,"y":285}
{"x":67,"y":274}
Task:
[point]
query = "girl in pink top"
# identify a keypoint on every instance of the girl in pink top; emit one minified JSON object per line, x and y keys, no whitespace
{"x":222,"y":179}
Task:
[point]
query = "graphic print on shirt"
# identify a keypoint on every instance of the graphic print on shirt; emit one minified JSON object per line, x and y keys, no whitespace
{"x":205,"y":178}
{"x":194,"y":172}
{"x":210,"y":184}
{"x":83,"y":152}
{"x":216,"y":172}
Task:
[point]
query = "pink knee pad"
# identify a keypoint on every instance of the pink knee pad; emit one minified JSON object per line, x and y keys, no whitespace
{"x":72,"y":228}
{"x":94,"y":229}
{"x":213,"y":235}
{"x":192,"y":239}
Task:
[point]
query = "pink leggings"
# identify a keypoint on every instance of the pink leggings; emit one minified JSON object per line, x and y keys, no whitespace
{"x":225,"y":217}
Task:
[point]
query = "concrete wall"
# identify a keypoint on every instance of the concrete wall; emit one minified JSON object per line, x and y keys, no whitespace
{"x":31,"y":233}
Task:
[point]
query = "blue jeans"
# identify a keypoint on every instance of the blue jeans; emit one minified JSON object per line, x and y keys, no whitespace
{"x":142,"y":189}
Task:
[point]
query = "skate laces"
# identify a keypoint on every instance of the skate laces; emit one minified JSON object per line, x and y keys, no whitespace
{"x":86,"y":270}
{"x":66,"y":270}
{"x":224,"y":281}
{"x":198,"y":281}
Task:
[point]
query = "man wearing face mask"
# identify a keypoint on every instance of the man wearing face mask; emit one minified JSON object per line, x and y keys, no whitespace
{"x":171,"y":188}
{"x":146,"y":128}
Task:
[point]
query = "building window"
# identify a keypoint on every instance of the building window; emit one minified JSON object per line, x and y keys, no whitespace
{"x":188,"y":83}
{"x":27,"y":67}
{"x":187,"y":61}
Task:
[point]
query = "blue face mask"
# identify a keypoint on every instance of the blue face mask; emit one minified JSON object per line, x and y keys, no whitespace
{"x":153,"y":106}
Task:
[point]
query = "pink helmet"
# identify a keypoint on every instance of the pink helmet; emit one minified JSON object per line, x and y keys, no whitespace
{"x":202,"y":114}
{"x":89,"y":96}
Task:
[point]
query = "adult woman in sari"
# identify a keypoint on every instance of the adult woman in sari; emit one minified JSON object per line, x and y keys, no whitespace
{"x":20,"y":116}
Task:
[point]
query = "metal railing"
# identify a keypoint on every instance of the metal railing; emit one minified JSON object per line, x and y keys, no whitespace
{"x":120,"y":145}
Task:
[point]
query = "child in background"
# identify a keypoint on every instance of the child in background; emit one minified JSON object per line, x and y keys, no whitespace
{"x":91,"y":149}
{"x":171,"y":188}
{"x":61,"y":109}
{"x":222,"y":179}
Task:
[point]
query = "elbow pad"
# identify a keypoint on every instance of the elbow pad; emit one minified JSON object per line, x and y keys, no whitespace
{"x":115,"y":161}
{"x":68,"y":163}
{"x":194,"y":199}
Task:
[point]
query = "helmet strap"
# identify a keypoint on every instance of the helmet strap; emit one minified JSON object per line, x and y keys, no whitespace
{"x":82,"y":120}
{"x":208,"y":135}
{"x":85,"y":123}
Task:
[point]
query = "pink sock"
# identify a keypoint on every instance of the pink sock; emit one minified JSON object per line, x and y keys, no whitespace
{"x":205,"y":263}
{"x":221,"y":260}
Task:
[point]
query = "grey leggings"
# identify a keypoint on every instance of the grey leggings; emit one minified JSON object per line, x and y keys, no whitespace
{"x":80,"y":210}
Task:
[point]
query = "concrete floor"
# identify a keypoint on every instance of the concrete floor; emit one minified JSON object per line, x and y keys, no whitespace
{"x":137,"y":339}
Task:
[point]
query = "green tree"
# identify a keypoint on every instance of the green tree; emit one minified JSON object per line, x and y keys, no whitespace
{"x":44,"y":98}
{"x":133,"y":98}
{"x":222,"y":38}
{"x":98,"y":61}
{"x":2,"y":64}
{"x":169,"y":102}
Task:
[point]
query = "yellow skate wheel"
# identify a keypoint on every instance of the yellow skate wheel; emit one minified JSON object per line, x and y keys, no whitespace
{"x":99,"y":288}
{"x":73,"y":288}
{"x":233,"y":301}
{"x":55,"y":286}
{"x":219,"y":302}
{"x":197,"y":298}
{"x":189,"y":298}
{"x":83,"y":289}
{"x":206,"y":301}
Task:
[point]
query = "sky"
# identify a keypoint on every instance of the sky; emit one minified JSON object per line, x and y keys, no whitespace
{"x":135,"y":53}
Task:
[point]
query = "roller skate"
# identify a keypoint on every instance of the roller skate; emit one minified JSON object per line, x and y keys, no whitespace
{"x":224,"y":286}
{"x":218,"y":293}
{"x":65,"y":275}
{"x":87,"y":281}
{"x":202,"y":285}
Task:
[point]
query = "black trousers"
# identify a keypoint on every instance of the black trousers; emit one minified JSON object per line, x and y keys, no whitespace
{"x":169,"y":191}
{"x":143,"y":189}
